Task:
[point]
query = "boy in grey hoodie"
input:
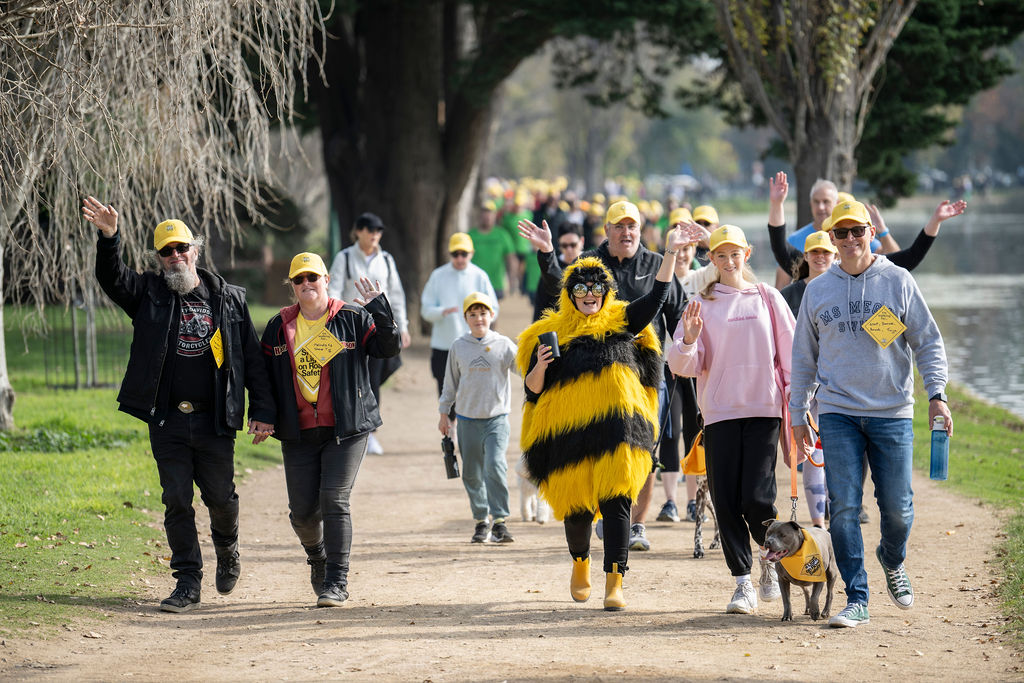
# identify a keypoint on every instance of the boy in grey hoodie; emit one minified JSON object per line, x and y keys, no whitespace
{"x":862,"y":325}
{"x":476,"y":381}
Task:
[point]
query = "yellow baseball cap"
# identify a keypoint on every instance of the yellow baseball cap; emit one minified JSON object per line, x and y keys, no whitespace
{"x":680,"y":215}
{"x":727,"y":234}
{"x":819,"y":240}
{"x":596,"y":209}
{"x":170,"y":231}
{"x":853,"y":211}
{"x":706,"y":213}
{"x":842,"y":197}
{"x":460,"y":241}
{"x":622,"y":210}
{"x":307,"y":262}
{"x":477,"y":298}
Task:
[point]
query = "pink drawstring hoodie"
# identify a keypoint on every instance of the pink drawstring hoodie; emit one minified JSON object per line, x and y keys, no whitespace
{"x":733,"y":358}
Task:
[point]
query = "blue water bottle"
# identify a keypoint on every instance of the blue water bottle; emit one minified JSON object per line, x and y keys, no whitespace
{"x":940,"y":450}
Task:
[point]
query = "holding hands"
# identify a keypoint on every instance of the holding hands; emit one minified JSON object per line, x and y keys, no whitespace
{"x":103,"y":217}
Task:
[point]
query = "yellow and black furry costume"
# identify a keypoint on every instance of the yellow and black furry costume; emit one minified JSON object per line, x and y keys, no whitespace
{"x":588,"y":436}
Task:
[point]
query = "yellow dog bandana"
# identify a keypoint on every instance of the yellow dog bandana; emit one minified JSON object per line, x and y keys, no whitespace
{"x":805,"y":564}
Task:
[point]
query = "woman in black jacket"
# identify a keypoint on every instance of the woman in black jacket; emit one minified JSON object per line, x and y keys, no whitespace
{"x":316,"y":353}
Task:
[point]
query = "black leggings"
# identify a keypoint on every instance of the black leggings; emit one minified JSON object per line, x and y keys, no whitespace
{"x":740,"y":457}
{"x":615,"y":512}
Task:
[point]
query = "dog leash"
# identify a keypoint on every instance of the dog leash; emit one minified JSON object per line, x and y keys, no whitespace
{"x":792,"y":467}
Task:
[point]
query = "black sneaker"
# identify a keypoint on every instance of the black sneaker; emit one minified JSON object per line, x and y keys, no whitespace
{"x":185,"y":597}
{"x":333,"y":595}
{"x":482,"y":530}
{"x":500,"y":534}
{"x":317,"y":573}
{"x":228,"y":571}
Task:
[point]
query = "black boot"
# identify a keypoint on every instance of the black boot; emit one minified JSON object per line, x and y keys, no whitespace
{"x":335,"y":591}
{"x":317,"y":561}
{"x":228,"y":569}
{"x":185,"y":597}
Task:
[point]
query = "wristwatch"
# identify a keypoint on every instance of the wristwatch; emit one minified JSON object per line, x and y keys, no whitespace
{"x":940,"y":396}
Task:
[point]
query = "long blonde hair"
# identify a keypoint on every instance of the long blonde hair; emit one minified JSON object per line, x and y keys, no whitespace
{"x":746,"y":273}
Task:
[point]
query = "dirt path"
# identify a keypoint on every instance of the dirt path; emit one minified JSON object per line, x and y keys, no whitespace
{"x":428,"y":605}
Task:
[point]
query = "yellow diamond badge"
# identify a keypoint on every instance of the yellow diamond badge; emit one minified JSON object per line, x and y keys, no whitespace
{"x":884,"y":326}
{"x":323,"y":346}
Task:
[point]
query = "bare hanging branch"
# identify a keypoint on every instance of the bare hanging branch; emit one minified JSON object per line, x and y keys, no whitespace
{"x":161,"y":107}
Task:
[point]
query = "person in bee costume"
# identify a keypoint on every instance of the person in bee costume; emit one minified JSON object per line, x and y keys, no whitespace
{"x":591,"y":415}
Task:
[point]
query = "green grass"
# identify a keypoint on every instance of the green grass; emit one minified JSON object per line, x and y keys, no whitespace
{"x":985,"y":463}
{"x":79,"y":500}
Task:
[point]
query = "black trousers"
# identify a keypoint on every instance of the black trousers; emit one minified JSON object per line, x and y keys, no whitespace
{"x":615,"y":512}
{"x":187,"y":449}
{"x":438,"y":364}
{"x":319,"y":474}
{"x":740,"y":456}
{"x":684,"y":421}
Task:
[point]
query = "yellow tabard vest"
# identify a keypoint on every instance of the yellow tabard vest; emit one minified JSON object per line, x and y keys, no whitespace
{"x":805,"y":564}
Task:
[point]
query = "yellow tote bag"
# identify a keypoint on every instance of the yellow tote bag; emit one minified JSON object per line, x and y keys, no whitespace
{"x":693,"y":463}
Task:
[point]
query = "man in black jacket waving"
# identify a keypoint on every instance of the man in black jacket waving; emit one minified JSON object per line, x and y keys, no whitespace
{"x":193,"y":352}
{"x":634,"y":268}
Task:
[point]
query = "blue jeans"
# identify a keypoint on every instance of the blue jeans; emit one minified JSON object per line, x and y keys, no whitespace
{"x":889,"y":444}
{"x":484,"y":468}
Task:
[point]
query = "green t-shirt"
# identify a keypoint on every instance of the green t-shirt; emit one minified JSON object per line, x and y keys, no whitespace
{"x":531,"y":275}
{"x":510,"y":222}
{"x":489,"y":253}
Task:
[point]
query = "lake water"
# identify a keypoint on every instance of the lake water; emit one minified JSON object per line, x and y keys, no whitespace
{"x":973,"y":280}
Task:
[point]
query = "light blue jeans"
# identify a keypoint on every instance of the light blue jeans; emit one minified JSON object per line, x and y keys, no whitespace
{"x":889,"y":444}
{"x":484,"y":469}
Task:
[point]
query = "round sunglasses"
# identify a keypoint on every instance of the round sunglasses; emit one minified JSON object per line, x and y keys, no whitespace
{"x":580,"y":290}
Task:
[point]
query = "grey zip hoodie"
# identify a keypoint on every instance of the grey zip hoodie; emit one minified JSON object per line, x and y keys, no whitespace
{"x":852,"y":374}
{"x":476,"y":378}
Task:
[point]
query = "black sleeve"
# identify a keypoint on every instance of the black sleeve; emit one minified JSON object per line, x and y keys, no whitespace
{"x":640,"y":312}
{"x":672,"y":309}
{"x":257,"y":377}
{"x":124,"y":286}
{"x":912,"y":256}
{"x":381,"y":339}
{"x":550,"y":273}
{"x":785,"y":255}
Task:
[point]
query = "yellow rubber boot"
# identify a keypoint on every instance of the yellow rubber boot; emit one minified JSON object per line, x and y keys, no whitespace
{"x":613,"y":600}
{"x":579,"y":582}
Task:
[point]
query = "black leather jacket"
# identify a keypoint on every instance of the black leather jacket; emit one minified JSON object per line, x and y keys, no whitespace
{"x":369,"y":331}
{"x":154,"y":310}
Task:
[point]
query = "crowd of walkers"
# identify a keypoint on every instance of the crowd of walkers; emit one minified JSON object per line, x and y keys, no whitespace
{"x":649,"y":328}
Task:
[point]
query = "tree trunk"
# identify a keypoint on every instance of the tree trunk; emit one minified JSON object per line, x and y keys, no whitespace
{"x":6,"y":390}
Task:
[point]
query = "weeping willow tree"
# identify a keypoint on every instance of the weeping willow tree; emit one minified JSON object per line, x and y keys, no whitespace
{"x":160,"y":107}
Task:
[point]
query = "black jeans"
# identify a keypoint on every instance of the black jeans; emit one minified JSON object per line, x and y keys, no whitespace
{"x":187,"y":449}
{"x":319,"y":474}
{"x":615,"y":512}
{"x":740,"y":456}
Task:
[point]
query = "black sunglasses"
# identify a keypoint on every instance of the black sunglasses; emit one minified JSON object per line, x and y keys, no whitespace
{"x":841,"y":233}
{"x":568,"y":245}
{"x":459,"y":254}
{"x":580,"y":290}
{"x":180,"y":247}
{"x":305,"y":277}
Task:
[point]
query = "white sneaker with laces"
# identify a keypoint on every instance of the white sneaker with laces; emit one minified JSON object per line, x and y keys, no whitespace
{"x":373,"y":446}
{"x":769,"y":588}
{"x":744,"y":600}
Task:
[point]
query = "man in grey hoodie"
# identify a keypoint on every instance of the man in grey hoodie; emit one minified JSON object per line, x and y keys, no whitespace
{"x":861,"y":327}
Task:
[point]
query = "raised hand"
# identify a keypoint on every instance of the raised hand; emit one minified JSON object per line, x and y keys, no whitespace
{"x":876,"y":219}
{"x":539,"y":238}
{"x":695,"y":232}
{"x":692,"y":323}
{"x":778,"y":188}
{"x":103,"y":217}
{"x":677,"y":238}
{"x":367,"y":290}
{"x":949,"y":209}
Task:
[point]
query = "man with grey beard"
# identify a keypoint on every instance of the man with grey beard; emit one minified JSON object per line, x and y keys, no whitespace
{"x":193,"y":350}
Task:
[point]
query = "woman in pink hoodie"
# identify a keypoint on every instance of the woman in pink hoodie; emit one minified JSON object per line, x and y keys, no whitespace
{"x":732,"y":337}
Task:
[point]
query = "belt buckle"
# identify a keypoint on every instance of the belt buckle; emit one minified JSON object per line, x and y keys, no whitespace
{"x":186,"y":407}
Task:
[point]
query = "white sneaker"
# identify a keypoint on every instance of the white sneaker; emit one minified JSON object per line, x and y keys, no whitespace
{"x":769,"y":588}
{"x":744,"y":600}
{"x":373,"y":446}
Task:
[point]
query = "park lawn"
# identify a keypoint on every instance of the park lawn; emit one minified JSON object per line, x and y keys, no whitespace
{"x":985,"y":463}
{"x":80,"y":509}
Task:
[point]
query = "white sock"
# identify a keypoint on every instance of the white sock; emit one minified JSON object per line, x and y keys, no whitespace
{"x":740,"y":580}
